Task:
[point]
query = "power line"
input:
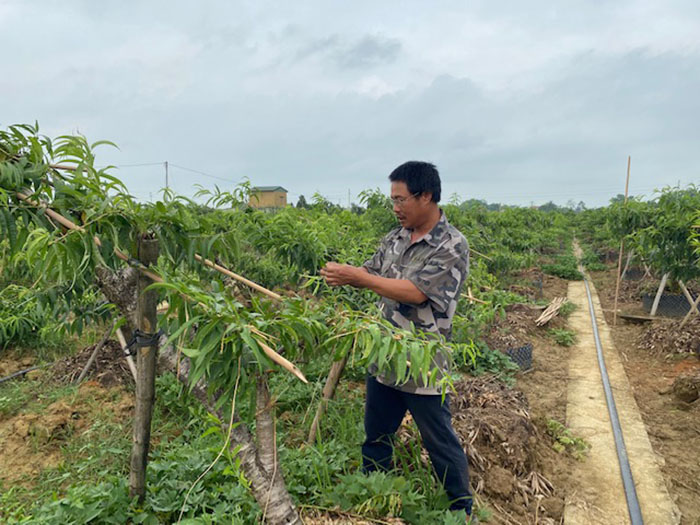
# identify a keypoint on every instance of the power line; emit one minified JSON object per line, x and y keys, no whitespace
{"x":139,"y":165}
{"x":203,"y":173}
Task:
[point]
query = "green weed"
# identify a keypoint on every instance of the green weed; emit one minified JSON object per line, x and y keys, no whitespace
{"x":562,"y":336}
{"x":567,"y":309}
{"x":565,"y":441}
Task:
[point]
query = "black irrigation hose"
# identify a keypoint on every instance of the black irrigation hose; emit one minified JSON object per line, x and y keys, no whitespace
{"x":627,"y":479}
{"x":22,"y":372}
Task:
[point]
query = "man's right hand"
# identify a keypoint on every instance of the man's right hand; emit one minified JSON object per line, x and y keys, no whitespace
{"x":337,"y":274}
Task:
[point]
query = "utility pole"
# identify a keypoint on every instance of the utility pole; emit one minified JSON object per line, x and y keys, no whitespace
{"x":348,"y":198}
{"x":166,"y":173}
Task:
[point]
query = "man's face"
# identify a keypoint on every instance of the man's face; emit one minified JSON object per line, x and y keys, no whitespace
{"x":409,"y":209}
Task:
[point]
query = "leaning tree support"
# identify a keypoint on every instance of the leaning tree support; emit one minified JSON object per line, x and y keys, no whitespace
{"x":147,"y":350}
{"x":693,"y":303}
{"x":93,"y":356}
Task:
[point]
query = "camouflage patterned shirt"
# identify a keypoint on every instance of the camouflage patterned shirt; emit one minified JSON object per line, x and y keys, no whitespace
{"x":438,"y":264}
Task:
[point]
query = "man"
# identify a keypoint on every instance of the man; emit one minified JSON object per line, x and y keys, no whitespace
{"x":418,"y":271}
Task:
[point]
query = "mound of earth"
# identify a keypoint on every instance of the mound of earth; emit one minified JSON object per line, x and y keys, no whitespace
{"x":630,"y":291}
{"x":686,"y":387}
{"x":533,"y":284}
{"x":666,"y":337}
{"x":109,"y":368}
{"x":510,"y":459}
{"x":514,"y":330}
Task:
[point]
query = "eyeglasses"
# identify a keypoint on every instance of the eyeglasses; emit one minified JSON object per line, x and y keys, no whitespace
{"x":401,"y":201}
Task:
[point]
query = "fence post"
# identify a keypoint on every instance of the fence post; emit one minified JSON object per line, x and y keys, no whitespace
{"x":145,"y":372}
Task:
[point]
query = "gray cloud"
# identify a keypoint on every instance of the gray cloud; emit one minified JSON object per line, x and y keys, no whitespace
{"x":518,"y":108}
{"x":370,"y":51}
{"x":363,"y":53}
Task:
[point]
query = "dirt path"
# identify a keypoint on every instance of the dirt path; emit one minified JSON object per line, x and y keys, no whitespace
{"x":599,"y":496}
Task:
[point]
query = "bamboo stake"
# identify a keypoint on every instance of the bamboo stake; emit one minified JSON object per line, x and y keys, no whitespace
{"x":627,"y":264}
{"x":129,"y":359}
{"x":471,"y":298}
{"x":284,"y":363}
{"x":240,"y":278}
{"x":274,"y":356}
{"x":551,"y":311}
{"x":622,"y":247}
{"x":693,"y":304}
{"x":660,"y":291}
{"x":690,"y":313}
{"x":327,"y":394}
{"x":472,"y":250}
{"x":93,"y":356}
{"x":689,"y":297}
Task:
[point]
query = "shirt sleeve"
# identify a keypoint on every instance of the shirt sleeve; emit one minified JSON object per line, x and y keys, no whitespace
{"x":444,"y":274}
{"x":374,"y":265}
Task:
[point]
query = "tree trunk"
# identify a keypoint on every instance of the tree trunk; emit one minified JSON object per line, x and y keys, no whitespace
{"x":280,"y":509}
{"x":328,"y":393}
{"x":145,"y":373}
{"x":120,"y":288}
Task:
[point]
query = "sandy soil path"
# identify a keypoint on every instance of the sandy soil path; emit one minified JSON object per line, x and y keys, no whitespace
{"x":598,"y":497}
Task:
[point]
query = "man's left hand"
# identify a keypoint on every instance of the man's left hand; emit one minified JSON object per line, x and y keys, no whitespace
{"x":340,"y":274}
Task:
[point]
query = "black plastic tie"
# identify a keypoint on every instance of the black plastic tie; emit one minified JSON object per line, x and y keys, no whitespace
{"x":142,"y":339}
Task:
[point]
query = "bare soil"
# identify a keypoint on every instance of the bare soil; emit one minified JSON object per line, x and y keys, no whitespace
{"x":11,"y":364}
{"x":33,"y":441}
{"x":654,"y":357}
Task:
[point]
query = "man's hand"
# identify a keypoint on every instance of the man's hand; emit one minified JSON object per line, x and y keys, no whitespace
{"x":401,"y":290}
{"x":340,"y":274}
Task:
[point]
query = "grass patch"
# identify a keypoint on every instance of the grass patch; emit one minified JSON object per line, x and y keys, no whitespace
{"x":564,"y":266}
{"x":565,"y":441}
{"x":562,"y":336}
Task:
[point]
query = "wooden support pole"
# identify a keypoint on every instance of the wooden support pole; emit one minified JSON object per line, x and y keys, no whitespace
{"x":693,"y":309}
{"x":622,"y":247}
{"x":145,"y":373}
{"x":630,"y":254}
{"x":660,"y":291}
{"x":129,"y":359}
{"x":693,"y":303}
{"x":327,"y":394}
{"x":472,"y":250}
{"x":239,"y":278}
{"x":93,"y":356}
{"x":689,"y":297}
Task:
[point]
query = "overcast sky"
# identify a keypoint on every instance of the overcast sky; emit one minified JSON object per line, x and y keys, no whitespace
{"x":515,"y":102}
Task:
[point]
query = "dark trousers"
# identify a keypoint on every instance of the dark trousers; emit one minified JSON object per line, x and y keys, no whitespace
{"x":385,"y":408}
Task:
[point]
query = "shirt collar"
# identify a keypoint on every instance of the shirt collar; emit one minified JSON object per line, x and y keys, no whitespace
{"x":434,"y":235}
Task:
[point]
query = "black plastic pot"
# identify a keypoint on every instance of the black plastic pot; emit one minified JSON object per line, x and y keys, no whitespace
{"x":521,"y":356}
{"x":670,"y":305}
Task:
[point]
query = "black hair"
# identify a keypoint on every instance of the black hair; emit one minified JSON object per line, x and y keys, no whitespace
{"x":420,"y":177}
